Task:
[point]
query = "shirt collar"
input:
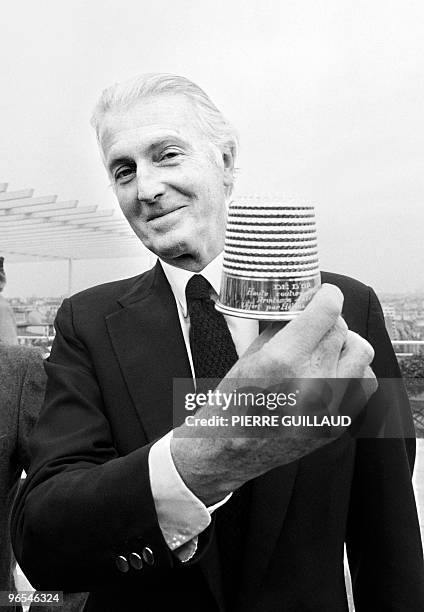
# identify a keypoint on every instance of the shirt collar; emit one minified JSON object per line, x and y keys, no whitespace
{"x":178,"y":278}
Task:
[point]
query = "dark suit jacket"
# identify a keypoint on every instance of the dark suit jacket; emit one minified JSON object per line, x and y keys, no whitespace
{"x":88,"y":500}
{"x":22,"y":386}
{"x":22,"y":382}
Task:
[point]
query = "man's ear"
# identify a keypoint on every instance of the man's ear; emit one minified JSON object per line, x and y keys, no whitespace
{"x":228,"y":158}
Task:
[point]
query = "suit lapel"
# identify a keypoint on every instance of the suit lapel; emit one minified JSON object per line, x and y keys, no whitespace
{"x":149,"y":345}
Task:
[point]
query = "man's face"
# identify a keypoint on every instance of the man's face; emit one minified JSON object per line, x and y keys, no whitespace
{"x":169,"y":180}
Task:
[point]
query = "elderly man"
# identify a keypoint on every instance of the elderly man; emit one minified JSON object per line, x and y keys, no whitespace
{"x":142,"y":516}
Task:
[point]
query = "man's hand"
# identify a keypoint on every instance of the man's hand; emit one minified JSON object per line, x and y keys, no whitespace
{"x":315,"y":345}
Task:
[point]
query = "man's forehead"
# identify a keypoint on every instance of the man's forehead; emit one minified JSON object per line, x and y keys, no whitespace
{"x":161,"y":116}
{"x":114,"y":143}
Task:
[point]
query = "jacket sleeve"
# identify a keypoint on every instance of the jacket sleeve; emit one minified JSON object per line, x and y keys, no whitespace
{"x":82,"y":505}
{"x":30,"y":401}
{"x":383,"y":535}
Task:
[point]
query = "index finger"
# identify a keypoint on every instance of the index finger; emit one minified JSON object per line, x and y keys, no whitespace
{"x":306,"y":331}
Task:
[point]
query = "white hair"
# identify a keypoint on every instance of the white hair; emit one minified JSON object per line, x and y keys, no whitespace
{"x":212,"y":122}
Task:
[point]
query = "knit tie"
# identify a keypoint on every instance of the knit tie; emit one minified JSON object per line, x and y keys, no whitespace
{"x":211,"y":344}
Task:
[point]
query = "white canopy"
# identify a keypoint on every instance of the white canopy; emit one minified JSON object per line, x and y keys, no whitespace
{"x":37,"y":228}
{"x":42,"y":227}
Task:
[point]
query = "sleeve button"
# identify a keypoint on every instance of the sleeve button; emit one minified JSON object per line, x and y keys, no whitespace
{"x":122,"y":563}
{"x":148,"y":556}
{"x":136,"y":561}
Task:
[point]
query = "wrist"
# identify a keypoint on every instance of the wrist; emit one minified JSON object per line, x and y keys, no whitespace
{"x":203,"y":465}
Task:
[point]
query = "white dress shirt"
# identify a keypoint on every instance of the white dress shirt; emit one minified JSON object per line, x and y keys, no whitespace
{"x":181,"y":515}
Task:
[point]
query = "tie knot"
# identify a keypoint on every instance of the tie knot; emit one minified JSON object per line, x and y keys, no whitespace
{"x":198,"y":288}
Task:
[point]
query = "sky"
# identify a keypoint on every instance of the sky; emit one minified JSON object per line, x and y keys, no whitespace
{"x":327,"y":97}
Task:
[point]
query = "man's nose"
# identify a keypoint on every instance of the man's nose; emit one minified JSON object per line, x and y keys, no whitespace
{"x":149,"y":184}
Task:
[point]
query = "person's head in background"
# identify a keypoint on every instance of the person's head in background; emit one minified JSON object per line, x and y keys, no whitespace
{"x":2,"y":274}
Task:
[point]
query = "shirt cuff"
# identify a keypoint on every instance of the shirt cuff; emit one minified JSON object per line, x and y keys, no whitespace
{"x":181,"y":515}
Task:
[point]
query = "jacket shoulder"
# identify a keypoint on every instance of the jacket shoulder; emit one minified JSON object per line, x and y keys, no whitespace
{"x":16,"y":357}
{"x":102,"y":297}
{"x":347,"y":285}
{"x":357,"y":297}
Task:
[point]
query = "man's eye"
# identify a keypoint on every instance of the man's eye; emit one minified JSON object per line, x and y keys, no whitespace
{"x":168,"y":154}
{"x":123,"y":173}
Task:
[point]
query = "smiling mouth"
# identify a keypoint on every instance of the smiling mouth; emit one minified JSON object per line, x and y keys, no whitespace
{"x":164,"y":213}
